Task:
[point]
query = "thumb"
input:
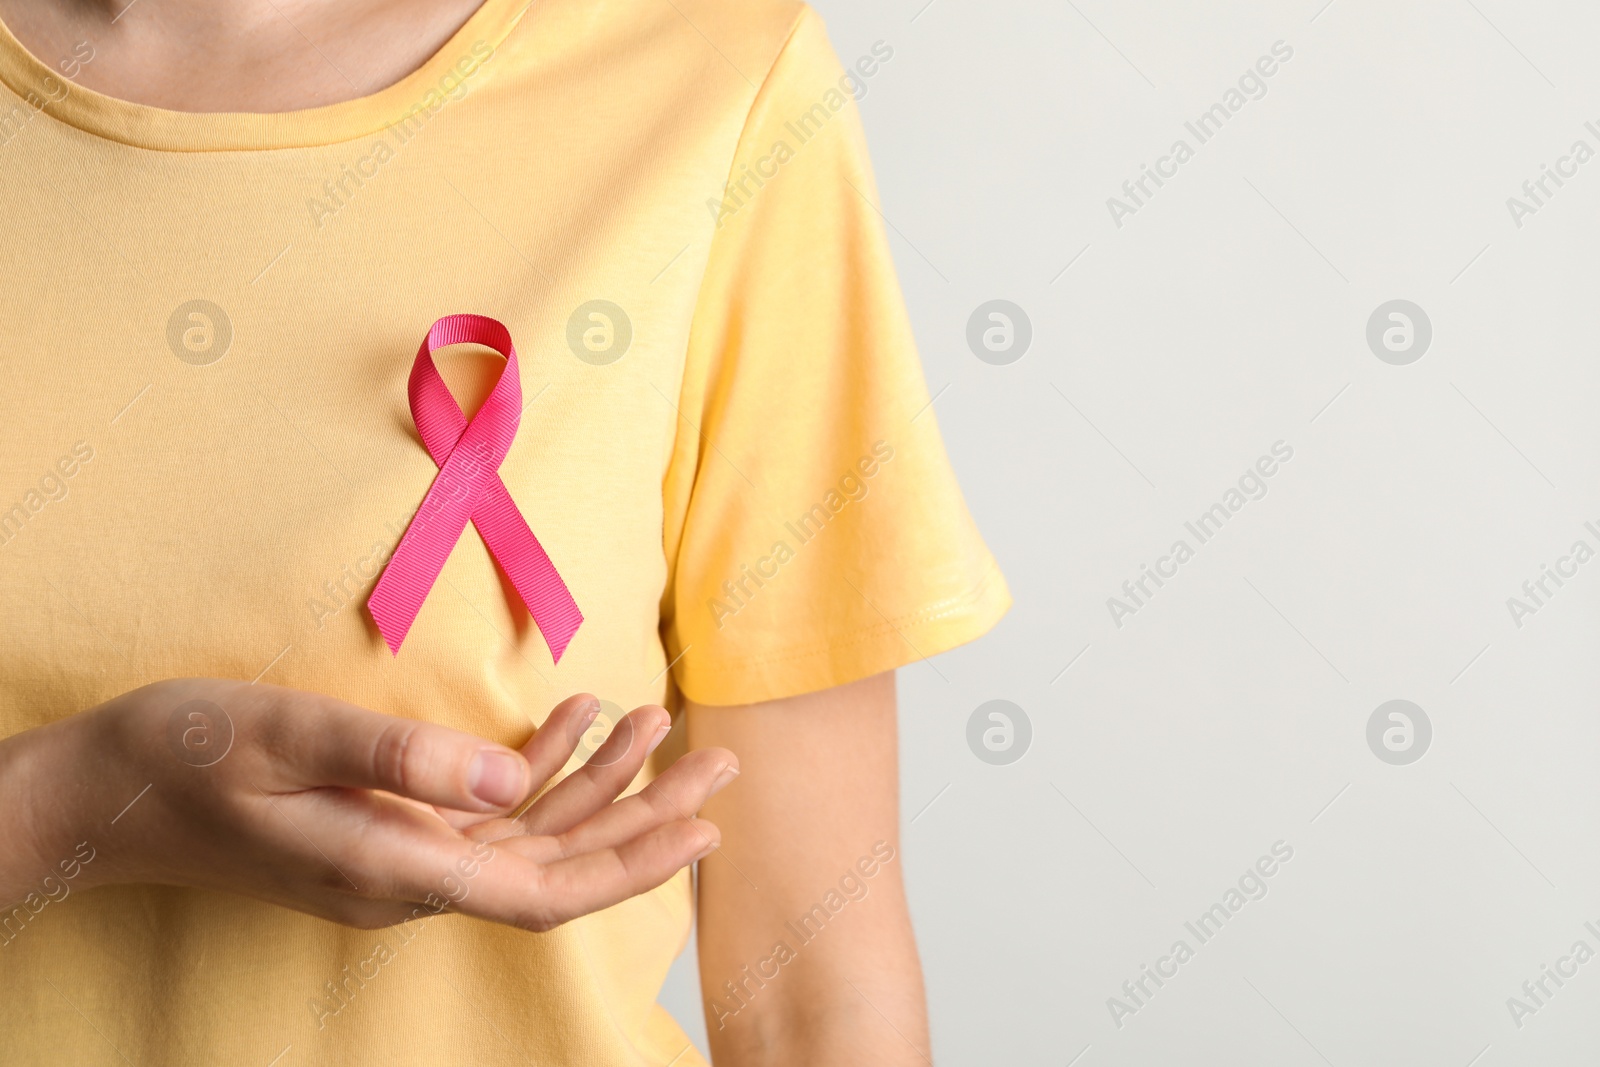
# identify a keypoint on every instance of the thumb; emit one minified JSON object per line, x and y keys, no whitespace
{"x":340,"y":744}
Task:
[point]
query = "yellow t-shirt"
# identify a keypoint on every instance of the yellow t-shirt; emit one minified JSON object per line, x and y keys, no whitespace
{"x":206,"y":456}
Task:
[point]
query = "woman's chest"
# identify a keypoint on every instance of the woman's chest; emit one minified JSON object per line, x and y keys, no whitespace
{"x":216,"y":491}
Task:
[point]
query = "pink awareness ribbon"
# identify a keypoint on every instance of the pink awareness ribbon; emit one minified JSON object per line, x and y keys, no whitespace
{"x":468,"y":489}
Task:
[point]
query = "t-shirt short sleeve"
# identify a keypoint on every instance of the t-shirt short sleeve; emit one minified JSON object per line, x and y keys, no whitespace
{"x":814,"y":530}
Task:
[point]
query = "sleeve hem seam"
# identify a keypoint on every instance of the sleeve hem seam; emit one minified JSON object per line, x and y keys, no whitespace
{"x":941,"y":610}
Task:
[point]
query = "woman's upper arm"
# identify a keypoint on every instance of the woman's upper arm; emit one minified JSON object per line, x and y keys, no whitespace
{"x":802,"y":910}
{"x":818,"y":771}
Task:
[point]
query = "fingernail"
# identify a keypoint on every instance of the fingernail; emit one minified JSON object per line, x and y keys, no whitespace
{"x":497,"y":778}
{"x":729,"y":773}
{"x":661,"y":735}
{"x":703,"y":853}
{"x":591,"y":712}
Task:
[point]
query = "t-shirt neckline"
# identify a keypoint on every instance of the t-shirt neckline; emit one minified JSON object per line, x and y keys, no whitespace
{"x":141,"y":125}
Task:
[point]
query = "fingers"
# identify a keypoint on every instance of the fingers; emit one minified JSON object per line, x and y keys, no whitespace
{"x":599,"y":879}
{"x":607,"y":773}
{"x":553,"y":743}
{"x":546,"y":752}
{"x":389,"y":852}
{"x":328,"y":742}
{"x":337,"y":762}
{"x":541,"y":897}
{"x":678,"y":793}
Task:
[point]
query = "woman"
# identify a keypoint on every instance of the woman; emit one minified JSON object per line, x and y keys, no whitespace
{"x":253,"y":819}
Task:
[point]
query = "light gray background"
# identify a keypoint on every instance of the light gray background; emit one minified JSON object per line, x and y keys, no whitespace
{"x":1231,"y":712}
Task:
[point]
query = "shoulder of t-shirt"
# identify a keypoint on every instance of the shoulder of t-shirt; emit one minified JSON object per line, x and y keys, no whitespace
{"x":681,"y":53}
{"x":737,"y":44}
{"x":751,"y":34}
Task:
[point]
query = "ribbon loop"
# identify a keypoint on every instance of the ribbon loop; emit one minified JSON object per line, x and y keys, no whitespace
{"x":468,"y":488}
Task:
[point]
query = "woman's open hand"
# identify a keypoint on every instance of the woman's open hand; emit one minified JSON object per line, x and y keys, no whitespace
{"x":352,"y":815}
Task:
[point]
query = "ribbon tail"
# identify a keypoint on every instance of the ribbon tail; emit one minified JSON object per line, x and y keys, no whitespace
{"x":416,"y":564}
{"x":525,"y":562}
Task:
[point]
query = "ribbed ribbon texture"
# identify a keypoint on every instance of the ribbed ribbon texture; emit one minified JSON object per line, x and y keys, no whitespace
{"x":468,"y":489}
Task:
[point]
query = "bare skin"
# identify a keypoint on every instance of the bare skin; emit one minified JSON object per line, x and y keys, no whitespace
{"x":348,"y":814}
{"x":237,"y":55}
{"x":819,"y":794}
{"x":819,"y":788}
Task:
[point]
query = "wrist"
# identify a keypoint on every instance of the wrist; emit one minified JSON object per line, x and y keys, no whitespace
{"x":45,"y":781}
